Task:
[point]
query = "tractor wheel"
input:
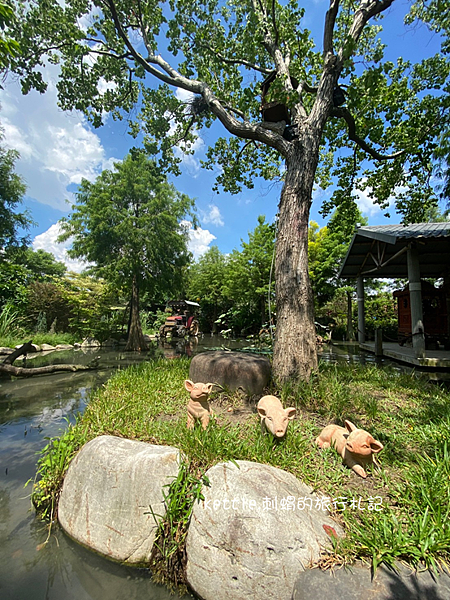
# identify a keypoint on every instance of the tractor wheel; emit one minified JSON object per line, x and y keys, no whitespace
{"x":193,"y":329}
{"x":163,"y":331}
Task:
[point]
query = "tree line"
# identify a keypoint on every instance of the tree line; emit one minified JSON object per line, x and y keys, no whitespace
{"x":130,"y":227}
{"x":335,"y":111}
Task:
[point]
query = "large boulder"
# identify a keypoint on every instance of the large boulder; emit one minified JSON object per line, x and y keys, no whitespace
{"x":109,"y":492}
{"x":47,"y":348}
{"x":256,"y":529}
{"x":358,"y":582}
{"x":232,"y":370}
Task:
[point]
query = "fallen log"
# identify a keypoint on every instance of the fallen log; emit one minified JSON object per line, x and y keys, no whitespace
{"x":7,"y":368}
{"x":24,"y":349}
{"x":29,"y":372}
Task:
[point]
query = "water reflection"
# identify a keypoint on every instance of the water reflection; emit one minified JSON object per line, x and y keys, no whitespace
{"x":30,"y":411}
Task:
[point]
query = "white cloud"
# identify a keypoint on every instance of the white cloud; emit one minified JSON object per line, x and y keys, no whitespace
{"x":366,"y":204}
{"x":47,"y":241}
{"x":213,"y":217}
{"x":57,"y":148}
{"x":184,"y":95}
{"x":199,"y":239}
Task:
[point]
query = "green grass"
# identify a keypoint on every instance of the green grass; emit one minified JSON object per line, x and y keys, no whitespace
{"x":411,"y":417}
{"x":168,"y":558}
{"x":14,"y":338}
{"x":10,"y":323}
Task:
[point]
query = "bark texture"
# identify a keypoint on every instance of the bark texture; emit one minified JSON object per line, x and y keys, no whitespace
{"x":295,"y":349}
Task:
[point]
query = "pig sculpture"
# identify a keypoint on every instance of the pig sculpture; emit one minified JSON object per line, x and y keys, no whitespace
{"x":356,"y":446}
{"x":274,"y":417}
{"x":198,"y":407}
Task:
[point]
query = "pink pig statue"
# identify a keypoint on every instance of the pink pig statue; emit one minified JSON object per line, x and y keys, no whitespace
{"x":198,"y":407}
{"x":274,"y":417}
{"x":356,"y":446}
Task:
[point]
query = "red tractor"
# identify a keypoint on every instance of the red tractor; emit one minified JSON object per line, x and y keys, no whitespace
{"x":183,"y":321}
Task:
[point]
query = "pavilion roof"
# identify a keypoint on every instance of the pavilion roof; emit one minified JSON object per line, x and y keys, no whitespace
{"x":380,"y":251}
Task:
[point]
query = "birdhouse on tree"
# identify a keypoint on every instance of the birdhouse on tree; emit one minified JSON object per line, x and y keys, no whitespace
{"x":274,"y":111}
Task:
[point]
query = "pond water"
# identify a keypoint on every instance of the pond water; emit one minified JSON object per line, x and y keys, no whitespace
{"x":35,"y":409}
{"x":32,"y":410}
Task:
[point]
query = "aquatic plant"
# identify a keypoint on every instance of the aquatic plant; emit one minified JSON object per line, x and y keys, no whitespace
{"x":168,"y":558}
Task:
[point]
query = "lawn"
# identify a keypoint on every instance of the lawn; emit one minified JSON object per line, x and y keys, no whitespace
{"x":400,"y":512}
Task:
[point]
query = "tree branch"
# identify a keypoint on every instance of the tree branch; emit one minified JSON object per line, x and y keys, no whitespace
{"x":236,"y":61}
{"x":344,"y":113}
{"x":274,"y":23}
{"x":330,"y":20}
{"x":24,"y":349}
{"x":170,"y":76}
{"x":333,"y":64}
{"x":25,"y":372}
{"x":367,"y":10}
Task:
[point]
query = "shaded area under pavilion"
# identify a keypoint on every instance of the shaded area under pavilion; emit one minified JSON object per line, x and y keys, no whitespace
{"x":412,"y":252}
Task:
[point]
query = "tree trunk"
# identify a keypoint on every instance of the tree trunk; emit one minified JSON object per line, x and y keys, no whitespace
{"x":135,"y":341}
{"x":295,"y":349}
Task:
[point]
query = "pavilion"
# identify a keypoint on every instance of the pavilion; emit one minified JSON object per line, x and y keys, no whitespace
{"x":417,"y":251}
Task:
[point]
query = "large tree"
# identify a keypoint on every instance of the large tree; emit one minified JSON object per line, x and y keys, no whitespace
{"x":206,"y":279}
{"x":250,"y":279}
{"x":12,"y":189}
{"x":128,"y":223}
{"x":113,"y":54}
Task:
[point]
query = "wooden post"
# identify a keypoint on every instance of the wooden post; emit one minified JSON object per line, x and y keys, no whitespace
{"x":361,"y":311}
{"x":447,"y":298}
{"x":378,"y":341}
{"x":350,"y":332}
{"x":415,"y":297}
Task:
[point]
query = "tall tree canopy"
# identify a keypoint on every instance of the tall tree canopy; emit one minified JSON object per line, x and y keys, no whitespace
{"x":8,"y":46}
{"x":206,"y":280}
{"x":436,"y":14}
{"x":12,"y":190}
{"x":128,"y":224}
{"x":379,"y":119}
{"x":248,"y":282}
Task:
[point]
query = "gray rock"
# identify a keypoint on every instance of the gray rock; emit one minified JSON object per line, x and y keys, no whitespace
{"x":63,"y":347}
{"x":233,"y":370}
{"x":107,"y":494}
{"x":47,"y":347}
{"x":90,"y":342}
{"x":237,"y":547}
{"x":356,"y":582}
{"x":5,"y":350}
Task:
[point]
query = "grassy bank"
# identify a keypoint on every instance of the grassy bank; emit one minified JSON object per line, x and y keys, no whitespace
{"x":409,"y":416}
{"x":53,"y":339}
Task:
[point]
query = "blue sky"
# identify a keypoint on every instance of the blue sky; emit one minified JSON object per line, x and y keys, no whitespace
{"x":58,"y":149}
